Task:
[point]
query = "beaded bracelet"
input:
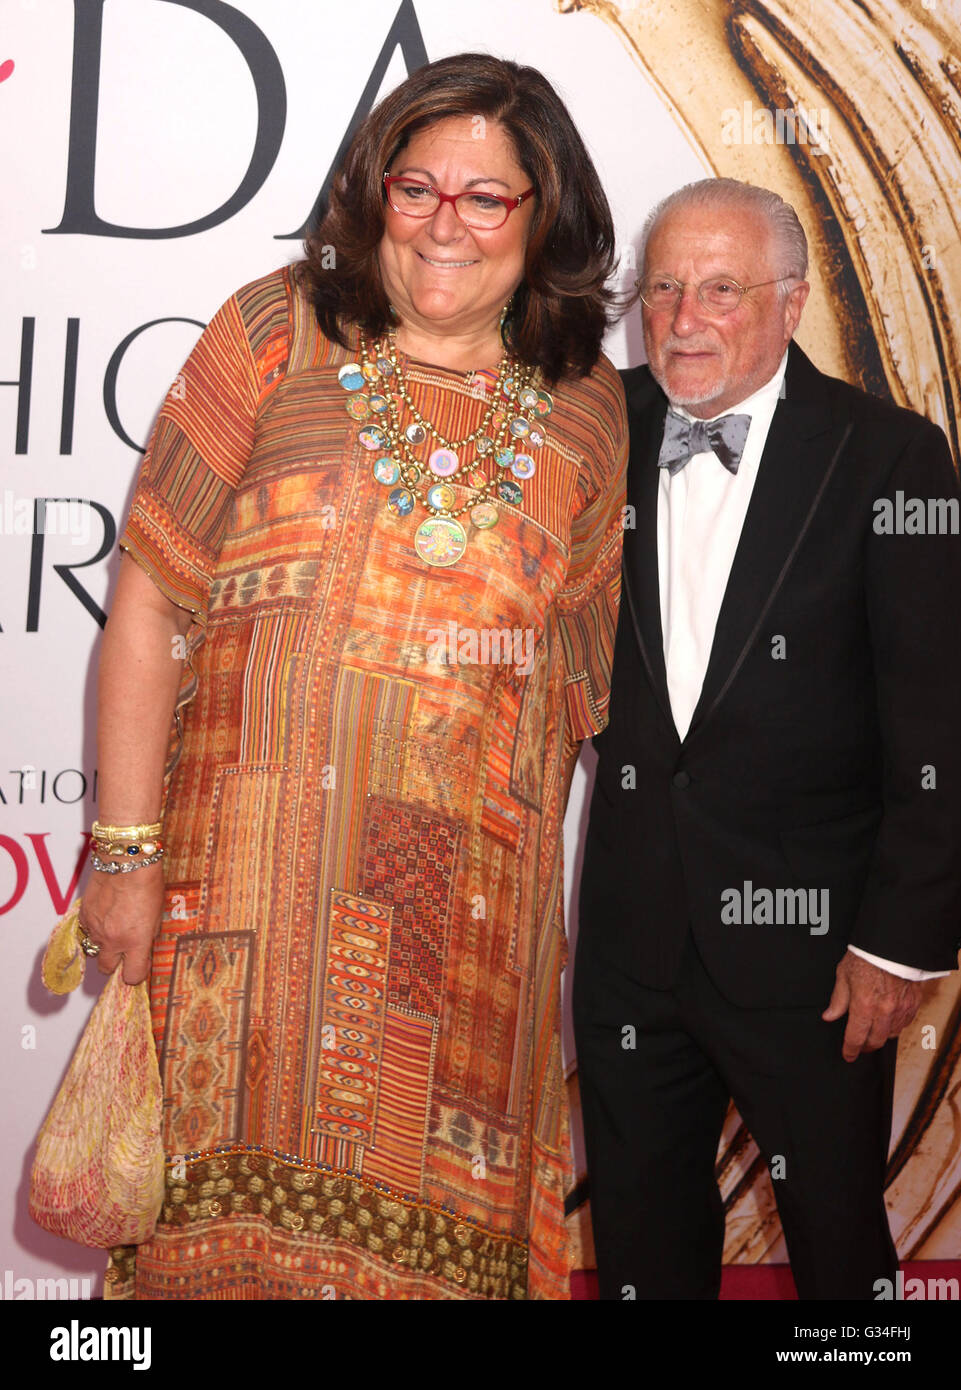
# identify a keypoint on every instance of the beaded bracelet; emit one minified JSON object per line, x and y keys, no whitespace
{"x":125,"y":849}
{"x":115,"y":867}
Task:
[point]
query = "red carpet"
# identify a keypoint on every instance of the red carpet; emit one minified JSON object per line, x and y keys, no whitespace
{"x":754,"y":1282}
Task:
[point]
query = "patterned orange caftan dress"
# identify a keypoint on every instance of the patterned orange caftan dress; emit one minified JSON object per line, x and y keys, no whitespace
{"x":356,"y":987}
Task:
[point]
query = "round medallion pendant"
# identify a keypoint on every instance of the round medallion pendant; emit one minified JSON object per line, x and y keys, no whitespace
{"x":443,"y":462}
{"x":484,"y":515}
{"x":373,"y":438}
{"x":401,"y":502}
{"x":441,"y":497}
{"x":387,"y":470}
{"x":351,"y":377}
{"x":523,"y":466}
{"x":440,"y":540}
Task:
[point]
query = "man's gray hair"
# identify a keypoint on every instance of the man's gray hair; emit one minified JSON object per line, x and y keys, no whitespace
{"x":790,"y":243}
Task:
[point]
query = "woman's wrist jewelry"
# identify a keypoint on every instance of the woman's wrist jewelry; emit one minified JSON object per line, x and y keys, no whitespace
{"x":134,"y":834}
{"x":125,"y":849}
{"x":118,"y":866}
{"x":135,"y":844}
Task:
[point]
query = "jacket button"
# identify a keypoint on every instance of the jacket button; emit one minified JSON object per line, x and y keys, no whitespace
{"x":681,"y":779}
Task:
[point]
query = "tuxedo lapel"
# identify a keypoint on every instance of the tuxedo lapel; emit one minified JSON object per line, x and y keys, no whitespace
{"x":803,"y":446}
{"x":647,"y":408}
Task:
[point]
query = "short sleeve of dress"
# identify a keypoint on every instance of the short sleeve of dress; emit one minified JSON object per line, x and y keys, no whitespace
{"x":588,"y":602}
{"x":194,"y":461}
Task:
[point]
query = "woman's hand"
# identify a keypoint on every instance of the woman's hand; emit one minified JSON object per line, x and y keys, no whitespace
{"x":122,"y":914}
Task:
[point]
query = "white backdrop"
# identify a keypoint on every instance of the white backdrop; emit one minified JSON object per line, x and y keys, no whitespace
{"x":175,"y":128}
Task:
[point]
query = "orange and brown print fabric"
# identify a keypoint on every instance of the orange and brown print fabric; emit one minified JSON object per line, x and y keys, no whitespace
{"x":355,"y":990}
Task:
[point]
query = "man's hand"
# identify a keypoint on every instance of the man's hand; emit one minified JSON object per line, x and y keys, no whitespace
{"x":877,"y":1003}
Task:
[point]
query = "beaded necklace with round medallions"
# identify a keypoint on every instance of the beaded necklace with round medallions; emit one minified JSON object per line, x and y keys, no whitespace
{"x":378,"y":389}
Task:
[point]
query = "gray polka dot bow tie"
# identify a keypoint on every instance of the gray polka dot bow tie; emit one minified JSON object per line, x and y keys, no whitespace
{"x":683,"y":439}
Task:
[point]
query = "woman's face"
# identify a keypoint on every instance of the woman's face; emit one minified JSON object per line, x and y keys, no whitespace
{"x":441,"y":276}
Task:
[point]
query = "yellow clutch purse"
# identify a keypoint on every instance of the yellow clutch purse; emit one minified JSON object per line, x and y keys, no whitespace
{"x":98,"y":1174}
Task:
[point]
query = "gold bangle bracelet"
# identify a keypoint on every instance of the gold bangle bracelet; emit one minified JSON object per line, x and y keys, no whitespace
{"x":133,"y":833}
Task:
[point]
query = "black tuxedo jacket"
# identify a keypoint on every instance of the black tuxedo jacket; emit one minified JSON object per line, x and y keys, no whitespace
{"x":825,"y":751}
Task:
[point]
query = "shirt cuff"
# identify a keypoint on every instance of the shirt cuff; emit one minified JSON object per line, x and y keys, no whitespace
{"x":904,"y":972}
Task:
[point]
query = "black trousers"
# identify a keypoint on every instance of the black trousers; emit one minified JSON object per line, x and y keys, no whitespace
{"x":656,"y":1071}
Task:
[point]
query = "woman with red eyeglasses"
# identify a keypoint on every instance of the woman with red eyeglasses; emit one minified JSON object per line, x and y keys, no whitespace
{"x":380,"y":521}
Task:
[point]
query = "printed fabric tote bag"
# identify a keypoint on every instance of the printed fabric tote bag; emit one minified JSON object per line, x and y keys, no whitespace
{"x":98,"y":1174}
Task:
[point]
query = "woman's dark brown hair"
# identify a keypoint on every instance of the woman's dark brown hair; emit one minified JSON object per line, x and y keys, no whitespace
{"x":563,"y":305}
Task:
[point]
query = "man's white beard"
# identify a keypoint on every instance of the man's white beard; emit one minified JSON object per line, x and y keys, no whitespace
{"x":689,"y":399}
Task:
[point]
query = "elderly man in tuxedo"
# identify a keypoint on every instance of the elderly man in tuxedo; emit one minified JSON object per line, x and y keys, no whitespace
{"x":773,"y":860}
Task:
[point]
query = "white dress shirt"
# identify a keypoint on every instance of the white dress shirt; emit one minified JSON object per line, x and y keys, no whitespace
{"x":700,"y":516}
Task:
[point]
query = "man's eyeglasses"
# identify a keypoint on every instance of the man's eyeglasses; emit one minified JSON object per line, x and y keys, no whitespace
{"x":482,"y":210}
{"x":721,"y":295}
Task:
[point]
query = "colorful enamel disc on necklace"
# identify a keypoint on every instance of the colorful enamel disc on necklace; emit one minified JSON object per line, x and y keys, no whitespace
{"x":443,"y":462}
{"x":387,"y":470}
{"x":373,"y":437}
{"x":401,"y":501}
{"x":351,"y":377}
{"x":440,"y":540}
{"x":484,"y":515}
{"x":441,"y":497}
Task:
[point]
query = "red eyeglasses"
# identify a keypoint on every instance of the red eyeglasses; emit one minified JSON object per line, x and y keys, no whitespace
{"x":485,"y":211}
